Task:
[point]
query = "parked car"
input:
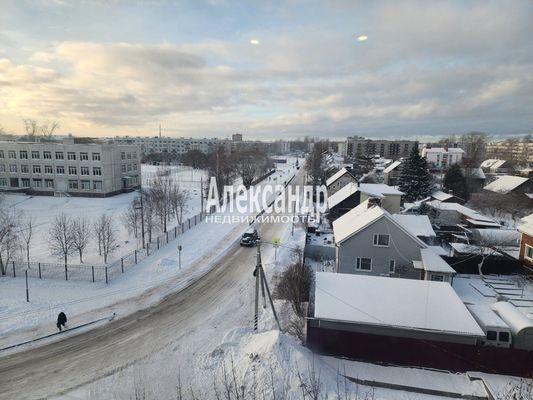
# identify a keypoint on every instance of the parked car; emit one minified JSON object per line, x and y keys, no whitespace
{"x":250,"y":237}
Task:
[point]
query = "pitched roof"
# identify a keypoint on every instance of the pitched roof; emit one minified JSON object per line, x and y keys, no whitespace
{"x":392,"y":166}
{"x":337,"y":176}
{"x":474,"y":173}
{"x":362,"y":216}
{"x":441,"y":196}
{"x":432,"y":262}
{"x":465,"y":211}
{"x":342,"y":194}
{"x":379,"y":190}
{"x":492,"y":163}
{"x":417,"y":225}
{"x":506,"y":184}
{"x":444,"y":150}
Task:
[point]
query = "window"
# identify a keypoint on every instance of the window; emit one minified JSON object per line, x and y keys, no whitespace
{"x":84,"y":170}
{"x":2,"y":168}
{"x":135,"y":167}
{"x":96,"y":156}
{"x":123,"y":155}
{"x":12,"y":154}
{"x":3,"y":182}
{"x":48,"y":169}
{"x":84,"y":156}
{"x":36,"y":169}
{"x":35,"y":154}
{"x":25,"y":169}
{"x":437,"y":278}
{"x":503,"y":336}
{"x":12,"y":168}
{"x":97,"y":171}
{"x":1,"y":153}
{"x":60,"y":155}
{"x":72,"y":170}
{"x":49,"y":183}
{"x":60,"y":170}
{"x":381,"y":240}
{"x":25,"y":182}
{"x":123,"y":167}
{"x":23,"y":155}
{"x":134,"y":155}
{"x":129,"y":167}
{"x":364,"y":264}
{"x":97,"y":185}
{"x":491,"y":335}
{"x":47,"y":155}
{"x":71,"y":156}
{"x":392,"y":266}
{"x":72,"y":184}
{"x":129,"y":156}
{"x":85,"y":185}
{"x":37,"y":183}
{"x":529,"y":252}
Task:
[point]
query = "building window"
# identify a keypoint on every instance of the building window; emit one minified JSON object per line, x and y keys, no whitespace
{"x":134,"y":155}
{"x":2,"y":168}
{"x":72,"y":170}
{"x":71,"y":156}
{"x":25,"y":182}
{"x":437,"y":278}
{"x":491,"y":335}
{"x":3,"y":182}
{"x":85,"y":185}
{"x":97,"y":185}
{"x":25,"y":169}
{"x":84,"y":156}
{"x":47,"y":155}
{"x":12,"y":154}
{"x":97,"y":171}
{"x":36,"y":169}
{"x":96,"y":156}
{"x":364,"y":264}
{"x":37,"y":183}
{"x":1,"y":153}
{"x":381,"y":240}
{"x":60,"y":170}
{"x":529,"y":252}
{"x":23,"y":154}
{"x":503,"y":336}
{"x":13,"y":168}
{"x":60,"y":155}
{"x":123,"y":155}
{"x":48,"y":169}
{"x":49,"y":183}
{"x":35,"y":154}
{"x":135,"y":167}
{"x":392,"y":266}
{"x":123,"y":167}
{"x":72,"y":184}
{"x":84,"y":170}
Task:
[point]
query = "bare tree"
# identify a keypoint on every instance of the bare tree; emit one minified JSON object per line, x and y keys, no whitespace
{"x":26,"y":233}
{"x":48,"y":129}
{"x":178,"y":202}
{"x":131,"y":217}
{"x":31,"y":127}
{"x":314,"y":164}
{"x":81,"y":234}
{"x":9,"y":238}
{"x":106,"y":234}
{"x":61,"y":238}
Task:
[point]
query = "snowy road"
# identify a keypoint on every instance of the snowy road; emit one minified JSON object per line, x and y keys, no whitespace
{"x":75,"y":361}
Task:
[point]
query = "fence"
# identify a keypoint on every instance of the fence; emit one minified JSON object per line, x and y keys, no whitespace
{"x":100,"y":273}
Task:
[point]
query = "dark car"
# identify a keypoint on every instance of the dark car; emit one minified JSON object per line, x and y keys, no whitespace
{"x":249,"y":238}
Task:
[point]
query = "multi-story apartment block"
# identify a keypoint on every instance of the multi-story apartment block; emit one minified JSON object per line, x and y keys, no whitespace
{"x":514,"y":151}
{"x":177,"y":145}
{"x":442,"y":157}
{"x":89,"y":169}
{"x":394,"y":149}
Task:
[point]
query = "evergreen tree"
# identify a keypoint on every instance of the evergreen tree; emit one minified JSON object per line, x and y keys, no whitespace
{"x":455,"y":182}
{"x":415,"y":179}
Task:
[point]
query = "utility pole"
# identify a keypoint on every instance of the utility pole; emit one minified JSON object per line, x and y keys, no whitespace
{"x":201,"y":195}
{"x":142,"y":217}
{"x":260,"y":277}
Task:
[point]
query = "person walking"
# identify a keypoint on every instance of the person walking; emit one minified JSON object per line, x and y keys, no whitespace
{"x":61,"y":320}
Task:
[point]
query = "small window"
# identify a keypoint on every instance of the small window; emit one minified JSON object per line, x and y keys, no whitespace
{"x":72,"y":184}
{"x":60,"y":155}
{"x":392,"y":266}
{"x":72,"y":170}
{"x":381,"y":240}
{"x":84,"y":156}
{"x":364,"y":264}
{"x":35,"y":154}
{"x":529,"y":252}
{"x":437,"y":278}
{"x":23,"y":154}
{"x":48,"y":169}
{"x":37,"y":183}
{"x":123,"y":167}
{"x":84,"y":170}
{"x":3,"y":182}
{"x":97,"y":171}
{"x":97,"y":185}
{"x":491,"y":335}
{"x":25,"y":169}
{"x":25,"y":182}
{"x":71,"y":156}
{"x":503,"y":337}
{"x":2,"y":168}
{"x":2,"y":154}
{"x":12,"y":168}
{"x":47,"y":155}
{"x":85,"y":185}
{"x":36,"y":169}
{"x":123,"y":155}
{"x":49,"y":183}
{"x":96,"y":156}
{"x":12,"y":154}
{"x":60,"y":170}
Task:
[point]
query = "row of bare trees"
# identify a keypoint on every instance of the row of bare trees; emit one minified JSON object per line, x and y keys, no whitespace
{"x":160,"y":202}
{"x":45,"y":129}
{"x":69,"y":235}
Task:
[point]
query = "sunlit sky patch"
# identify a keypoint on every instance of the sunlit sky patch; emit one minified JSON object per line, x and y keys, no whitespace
{"x":267,"y":69}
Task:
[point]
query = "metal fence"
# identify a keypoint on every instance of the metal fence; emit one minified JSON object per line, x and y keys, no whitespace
{"x":100,"y":273}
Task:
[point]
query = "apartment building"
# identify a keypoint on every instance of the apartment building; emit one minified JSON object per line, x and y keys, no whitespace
{"x":442,"y":157}
{"x":513,"y":151}
{"x":174,"y":145}
{"x":89,"y":169}
{"x":394,"y":149}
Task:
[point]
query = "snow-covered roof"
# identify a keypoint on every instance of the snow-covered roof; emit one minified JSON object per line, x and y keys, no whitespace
{"x":486,"y":316}
{"x":516,"y":320}
{"x":478,"y":222}
{"x":434,"y":263}
{"x":441,"y":196}
{"x":475,"y":173}
{"x":439,"y":150}
{"x":464,"y":248}
{"x":362,"y":216}
{"x":424,"y":305}
{"x":379,"y":189}
{"x":392,"y":167}
{"x":501,"y":237}
{"x":506,"y":183}
{"x":526,"y":225}
{"x":467,"y":212}
{"x":342,"y":194}
{"x":417,"y":225}
{"x":492,"y":163}
{"x":337,"y":176}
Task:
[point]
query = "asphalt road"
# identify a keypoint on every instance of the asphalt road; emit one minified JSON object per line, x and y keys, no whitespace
{"x":59,"y":367}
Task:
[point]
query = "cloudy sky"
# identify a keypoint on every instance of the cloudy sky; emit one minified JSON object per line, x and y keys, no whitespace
{"x":268,"y":69}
